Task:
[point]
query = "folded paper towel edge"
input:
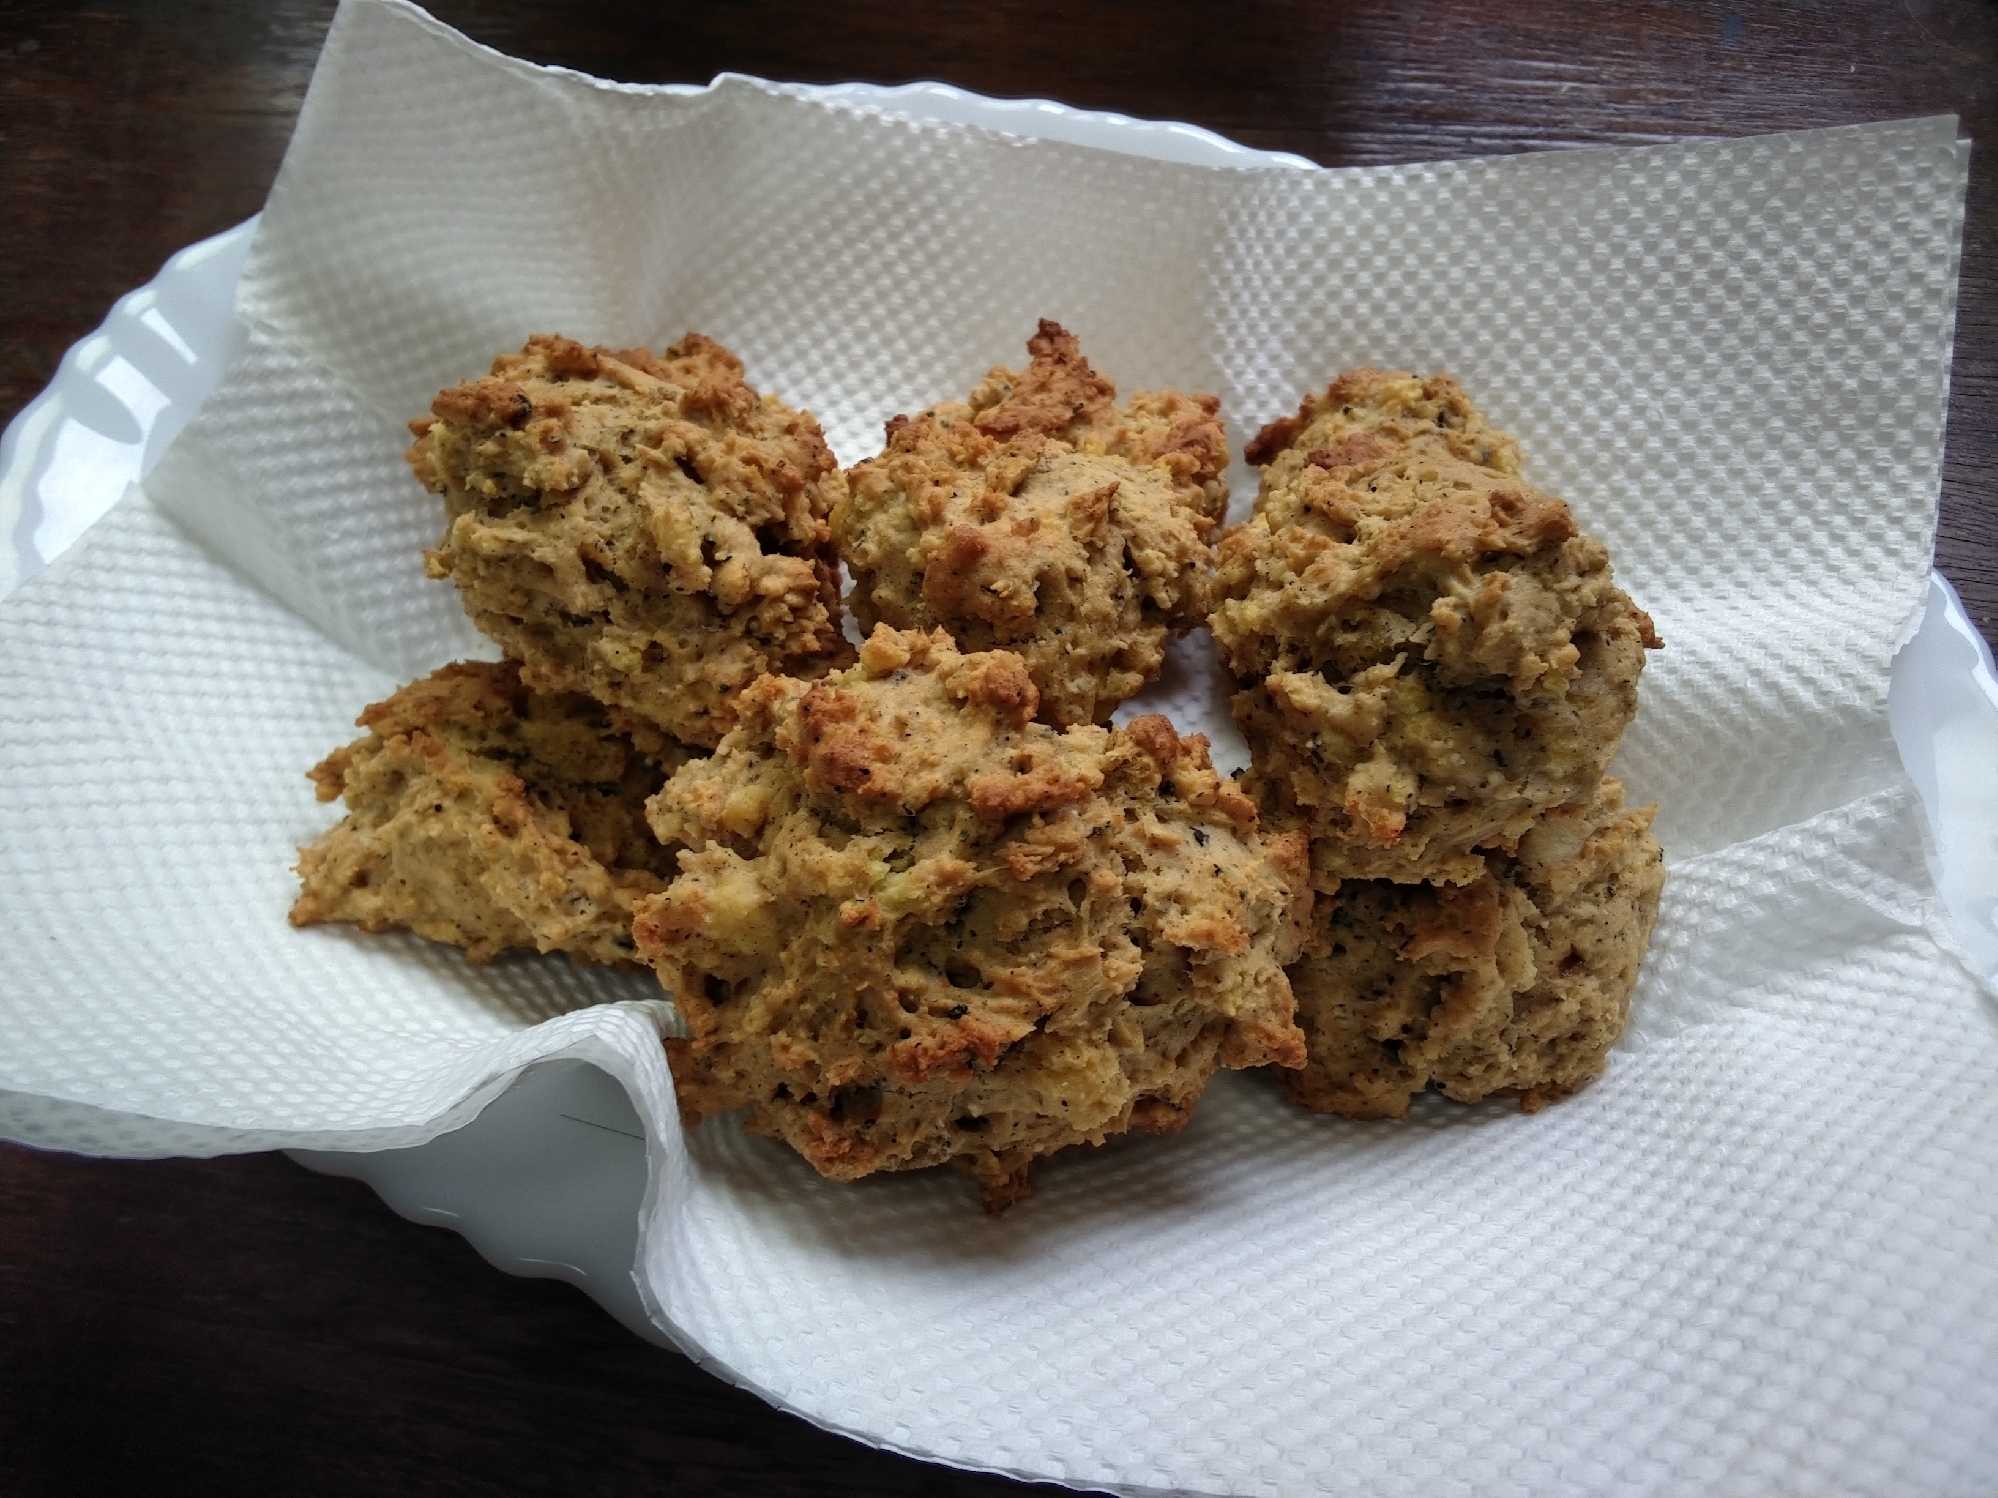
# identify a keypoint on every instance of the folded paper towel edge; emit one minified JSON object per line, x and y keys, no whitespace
{"x":71,"y":1125}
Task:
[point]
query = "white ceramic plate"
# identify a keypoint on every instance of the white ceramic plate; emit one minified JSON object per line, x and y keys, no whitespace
{"x":548,"y":1180}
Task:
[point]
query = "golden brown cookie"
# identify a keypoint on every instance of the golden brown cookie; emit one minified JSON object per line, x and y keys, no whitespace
{"x":1368,"y":413}
{"x":916,"y":926}
{"x":1042,"y":518}
{"x":489,"y":816}
{"x":1430,"y":653}
{"x":1517,"y":982}
{"x":644,"y":529}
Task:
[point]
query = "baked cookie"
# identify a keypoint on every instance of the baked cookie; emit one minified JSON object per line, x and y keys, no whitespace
{"x":644,"y":529}
{"x":1517,"y":982}
{"x":1042,"y":518}
{"x":1430,"y":653}
{"x":915,"y":926}
{"x":489,"y":816}
{"x":1368,"y":413}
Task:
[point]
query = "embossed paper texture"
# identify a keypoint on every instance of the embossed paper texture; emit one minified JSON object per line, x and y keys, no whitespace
{"x":1756,"y":1257}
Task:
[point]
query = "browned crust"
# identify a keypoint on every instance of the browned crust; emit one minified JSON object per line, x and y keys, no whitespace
{"x":915,"y":926}
{"x":1057,"y":391}
{"x":1516,"y":984}
{"x":1395,"y":410}
{"x":643,"y":528}
{"x":488,"y":816}
{"x":1041,"y":518}
{"x":1430,"y":654}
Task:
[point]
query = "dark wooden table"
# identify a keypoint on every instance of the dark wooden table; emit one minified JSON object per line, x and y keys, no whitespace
{"x":240,"y":1325}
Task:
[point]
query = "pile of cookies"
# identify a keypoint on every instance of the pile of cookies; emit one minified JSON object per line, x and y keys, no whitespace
{"x":918,"y":901}
{"x":1435,"y":669}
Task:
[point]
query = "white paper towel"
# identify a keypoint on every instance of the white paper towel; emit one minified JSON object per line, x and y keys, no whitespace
{"x":1758,"y":1257}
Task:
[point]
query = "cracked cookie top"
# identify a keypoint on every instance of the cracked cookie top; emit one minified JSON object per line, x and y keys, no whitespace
{"x":643,"y":528}
{"x":915,"y":925}
{"x":1430,"y":652}
{"x":1042,"y":518}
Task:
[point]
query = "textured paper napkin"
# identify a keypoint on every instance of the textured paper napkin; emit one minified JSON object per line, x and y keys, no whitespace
{"x":1757,"y":1257}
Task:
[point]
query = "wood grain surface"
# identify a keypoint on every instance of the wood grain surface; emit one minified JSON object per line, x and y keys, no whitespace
{"x":240,"y":1325}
